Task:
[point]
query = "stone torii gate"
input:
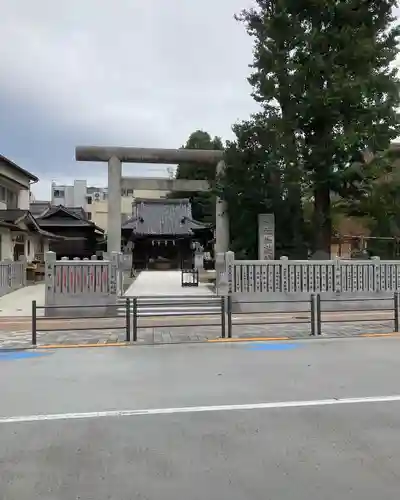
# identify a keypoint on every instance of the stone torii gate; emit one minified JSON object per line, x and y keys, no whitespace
{"x":114,"y":156}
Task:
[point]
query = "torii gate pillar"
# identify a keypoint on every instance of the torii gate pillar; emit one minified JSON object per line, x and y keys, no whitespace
{"x":114,"y":222}
{"x":221,"y":219}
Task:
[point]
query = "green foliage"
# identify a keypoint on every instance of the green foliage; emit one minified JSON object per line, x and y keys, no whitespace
{"x":254,"y":183}
{"x":380,"y":204}
{"x":324,"y":78}
{"x":203,"y":203}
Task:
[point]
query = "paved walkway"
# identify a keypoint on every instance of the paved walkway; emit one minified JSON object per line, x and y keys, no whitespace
{"x":163,"y":283}
{"x":189,"y":333}
{"x":19,"y":303}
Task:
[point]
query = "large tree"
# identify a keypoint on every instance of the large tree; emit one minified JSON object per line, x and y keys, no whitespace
{"x":323,"y":75}
{"x":203,"y":203}
{"x":256,"y":182}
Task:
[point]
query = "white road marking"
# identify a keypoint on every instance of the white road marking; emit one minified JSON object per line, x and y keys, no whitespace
{"x":198,"y":409}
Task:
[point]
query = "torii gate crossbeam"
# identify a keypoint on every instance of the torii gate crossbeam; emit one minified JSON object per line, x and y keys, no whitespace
{"x":114,"y":156}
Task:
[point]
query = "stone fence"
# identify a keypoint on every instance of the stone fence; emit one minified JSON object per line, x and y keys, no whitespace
{"x":12,"y":276}
{"x":78,"y":282}
{"x":279,"y":281}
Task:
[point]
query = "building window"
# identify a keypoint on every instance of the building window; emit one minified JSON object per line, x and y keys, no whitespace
{"x":59,"y":193}
{"x":9,"y":197}
{"x":89,"y":200}
{"x":89,"y":215}
{"x":12,"y":199}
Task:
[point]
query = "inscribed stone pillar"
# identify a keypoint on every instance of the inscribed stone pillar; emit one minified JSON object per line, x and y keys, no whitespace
{"x":199,"y":260}
{"x":221,"y":219}
{"x":266,"y":236}
{"x":114,"y":206}
{"x":49,"y":265}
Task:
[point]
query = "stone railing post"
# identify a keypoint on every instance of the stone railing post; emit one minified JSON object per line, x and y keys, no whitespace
{"x":285,"y":287}
{"x":337,"y":276}
{"x":377,"y":273}
{"x":219,"y":271}
{"x":24,"y":263}
{"x":49,"y":264}
{"x":199,"y":261}
{"x":9,"y":273}
{"x":115,"y":278}
{"x":229,"y":270}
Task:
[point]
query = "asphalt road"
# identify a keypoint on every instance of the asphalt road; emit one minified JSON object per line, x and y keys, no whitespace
{"x":56,"y":443}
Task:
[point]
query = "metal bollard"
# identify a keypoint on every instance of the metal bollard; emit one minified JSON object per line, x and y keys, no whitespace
{"x":318,"y":315}
{"x":229,"y":316}
{"x":312,"y":314}
{"x":34,"y":326}
{"x":128,"y":320}
{"x":134,"y":318}
{"x":223,"y":317}
{"x":396,"y":303}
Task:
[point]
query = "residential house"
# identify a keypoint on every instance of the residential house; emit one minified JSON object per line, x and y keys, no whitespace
{"x":20,"y":236}
{"x":77,"y":236}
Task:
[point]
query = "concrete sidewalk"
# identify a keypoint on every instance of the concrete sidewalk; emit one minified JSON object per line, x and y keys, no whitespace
{"x":150,"y":283}
{"x":19,"y":303}
{"x":19,"y":336}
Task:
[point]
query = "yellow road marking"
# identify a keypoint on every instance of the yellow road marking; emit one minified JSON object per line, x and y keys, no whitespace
{"x":378,"y":334}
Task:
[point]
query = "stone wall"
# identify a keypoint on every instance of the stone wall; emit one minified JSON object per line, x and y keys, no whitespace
{"x":92,"y":283}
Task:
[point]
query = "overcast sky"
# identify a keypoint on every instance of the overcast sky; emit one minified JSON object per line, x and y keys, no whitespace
{"x":128,"y":72}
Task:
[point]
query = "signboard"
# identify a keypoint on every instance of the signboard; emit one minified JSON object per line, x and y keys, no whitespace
{"x":266,"y":236}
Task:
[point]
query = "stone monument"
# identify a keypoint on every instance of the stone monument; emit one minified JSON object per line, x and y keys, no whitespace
{"x":266,"y":237}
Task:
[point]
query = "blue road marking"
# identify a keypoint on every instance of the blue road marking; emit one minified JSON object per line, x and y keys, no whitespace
{"x":268,"y":346}
{"x":10,"y":355}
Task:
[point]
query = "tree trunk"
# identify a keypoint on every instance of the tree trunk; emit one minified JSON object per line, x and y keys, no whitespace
{"x":293,"y":170}
{"x":322,"y":220}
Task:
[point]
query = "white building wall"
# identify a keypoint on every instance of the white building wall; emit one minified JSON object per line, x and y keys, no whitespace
{"x":80,"y":193}
{"x":58,"y":194}
{"x":23,"y":199}
{"x":6,"y":248}
{"x":69,"y":197}
{"x":77,"y":195}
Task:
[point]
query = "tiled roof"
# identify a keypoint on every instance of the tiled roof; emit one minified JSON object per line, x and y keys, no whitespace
{"x":10,"y":226}
{"x":76,"y":212}
{"x":60,"y":216}
{"x":63,"y":222}
{"x":9,"y":218}
{"x":12,"y":214}
{"x":20,"y":169}
{"x":37,"y":208}
{"x":162,"y":217}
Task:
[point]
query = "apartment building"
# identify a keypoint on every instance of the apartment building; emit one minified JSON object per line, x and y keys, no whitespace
{"x":94,"y":200}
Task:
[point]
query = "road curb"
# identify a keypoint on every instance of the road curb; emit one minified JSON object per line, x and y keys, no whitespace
{"x":206,"y":341}
{"x":80,"y":346}
{"x":254,"y":339}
